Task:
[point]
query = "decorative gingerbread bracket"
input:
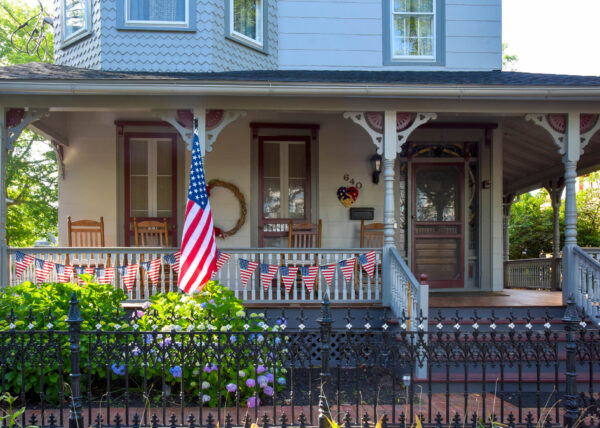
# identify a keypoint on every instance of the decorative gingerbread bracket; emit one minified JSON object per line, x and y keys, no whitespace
{"x":172,"y":117}
{"x":372,"y":122}
{"x":29,"y":116}
{"x":60,"y":158}
{"x":556,"y":125}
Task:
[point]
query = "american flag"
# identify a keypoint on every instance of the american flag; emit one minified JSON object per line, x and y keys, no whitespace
{"x":288,"y":276}
{"x":105,"y":275}
{"x":367,"y":261}
{"x":173,"y":260}
{"x":127,"y":273}
{"x":81,"y":270}
{"x":152,"y":268}
{"x":347,"y":267}
{"x":267,"y":272}
{"x":246,"y":269}
{"x":198,"y":247}
{"x":221,"y":260}
{"x":309,"y":274}
{"x":328,"y":271}
{"x":63,"y":272}
{"x":42,"y":269}
{"x":23,"y":261}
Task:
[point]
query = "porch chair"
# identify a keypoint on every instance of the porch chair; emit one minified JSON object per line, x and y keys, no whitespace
{"x":152,"y":233}
{"x":86,"y":233}
{"x":371,"y":235}
{"x":304,"y":235}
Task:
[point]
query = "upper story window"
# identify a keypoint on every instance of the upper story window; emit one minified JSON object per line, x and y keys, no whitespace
{"x":414,"y":32}
{"x":246,"y":21}
{"x":76,"y":20}
{"x":167,"y":15}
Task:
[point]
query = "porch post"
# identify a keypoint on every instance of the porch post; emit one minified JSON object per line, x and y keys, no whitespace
{"x":3,"y":156}
{"x":570,"y":158}
{"x":389,"y":159}
{"x":555,"y":188}
{"x":507,"y":201}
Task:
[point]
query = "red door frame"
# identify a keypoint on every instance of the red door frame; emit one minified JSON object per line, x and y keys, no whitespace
{"x":172,"y":221}
{"x":261,"y":220}
{"x":458,"y":283}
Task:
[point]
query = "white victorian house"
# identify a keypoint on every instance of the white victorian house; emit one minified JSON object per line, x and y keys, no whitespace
{"x":298,"y":104}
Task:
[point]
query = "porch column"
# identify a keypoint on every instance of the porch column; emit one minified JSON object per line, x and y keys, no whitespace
{"x":570,"y":159}
{"x":507,"y":201}
{"x":555,"y":188}
{"x":3,"y":156}
{"x":389,"y":159}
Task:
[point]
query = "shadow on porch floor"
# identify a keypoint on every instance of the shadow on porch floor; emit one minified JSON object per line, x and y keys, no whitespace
{"x":505,"y":298}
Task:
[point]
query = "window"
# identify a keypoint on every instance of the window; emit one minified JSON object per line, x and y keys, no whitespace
{"x":155,"y":13}
{"x":414,"y":32}
{"x":246,"y":21}
{"x":76,"y":19}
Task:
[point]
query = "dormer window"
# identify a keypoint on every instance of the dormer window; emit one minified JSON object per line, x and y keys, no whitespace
{"x":414,"y":32}
{"x":246,"y":21}
{"x":76,"y":22}
{"x":168,"y":15}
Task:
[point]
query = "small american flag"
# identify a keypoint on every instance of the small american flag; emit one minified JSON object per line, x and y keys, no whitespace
{"x":173,"y":260}
{"x":288,"y":276}
{"x":328,"y":271}
{"x":347,"y":267}
{"x":127,"y":273}
{"x":367,"y":261}
{"x":63,"y":272}
{"x":82,"y":270}
{"x":267,"y":272}
{"x":152,"y":268}
{"x":198,"y":247}
{"x":23,"y":261}
{"x":309,"y":274}
{"x":246,"y":270}
{"x":221,"y":260}
{"x":105,"y":275}
{"x":42,"y":269}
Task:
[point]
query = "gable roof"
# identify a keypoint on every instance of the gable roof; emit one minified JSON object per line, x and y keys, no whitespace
{"x":44,"y":71}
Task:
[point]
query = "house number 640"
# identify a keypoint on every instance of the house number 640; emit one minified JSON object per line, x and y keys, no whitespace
{"x":350,"y":180}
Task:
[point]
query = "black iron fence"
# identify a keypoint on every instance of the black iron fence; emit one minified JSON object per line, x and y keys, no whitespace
{"x":277,"y":372}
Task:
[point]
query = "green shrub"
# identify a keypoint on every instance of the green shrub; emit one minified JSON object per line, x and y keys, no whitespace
{"x":197,"y":342}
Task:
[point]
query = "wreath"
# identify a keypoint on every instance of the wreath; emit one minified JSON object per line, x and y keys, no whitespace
{"x":239,"y":196}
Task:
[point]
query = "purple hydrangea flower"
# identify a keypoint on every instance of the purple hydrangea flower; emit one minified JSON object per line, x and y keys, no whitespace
{"x":146,"y":305}
{"x":165,"y":343}
{"x":175,"y":371}
{"x":210,"y":368}
{"x":118,"y":370}
{"x":262,"y":381}
{"x":269,"y":377}
{"x":250,"y":383}
{"x":139,"y":314}
{"x":281,"y":381}
{"x":261,"y":369}
{"x":211,"y":301}
{"x":203,"y":305}
{"x":268,"y":391}
{"x":231,"y":387}
{"x":253,"y":402}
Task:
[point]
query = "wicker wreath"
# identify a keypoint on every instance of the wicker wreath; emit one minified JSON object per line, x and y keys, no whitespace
{"x":240,"y":197}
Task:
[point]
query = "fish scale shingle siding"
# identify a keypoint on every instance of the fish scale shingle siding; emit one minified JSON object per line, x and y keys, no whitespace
{"x":203,"y":50}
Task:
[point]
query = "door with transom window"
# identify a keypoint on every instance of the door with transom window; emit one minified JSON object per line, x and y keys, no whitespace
{"x":150,"y":187}
{"x":284,"y":187}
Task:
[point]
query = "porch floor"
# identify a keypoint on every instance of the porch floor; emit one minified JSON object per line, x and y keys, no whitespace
{"x":505,"y":298}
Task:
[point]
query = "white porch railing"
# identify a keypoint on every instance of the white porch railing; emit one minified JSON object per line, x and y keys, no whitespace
{"x":531,"y":273}
{"x":587,"y":292}
{"x":361,"y":288}
{"x":406,"y":293}
{"x":594,"y":252}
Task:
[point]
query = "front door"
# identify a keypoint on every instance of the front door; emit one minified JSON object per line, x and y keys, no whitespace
{"x":284,"y":187}
{"x":437,"y":223}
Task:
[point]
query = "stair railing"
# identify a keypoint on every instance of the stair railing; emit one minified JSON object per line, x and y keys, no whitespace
{"x":407,"y":296}
{"x":587,"y":292}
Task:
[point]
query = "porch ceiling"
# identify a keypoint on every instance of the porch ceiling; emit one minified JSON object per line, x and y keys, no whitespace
{"x":531,"y":159}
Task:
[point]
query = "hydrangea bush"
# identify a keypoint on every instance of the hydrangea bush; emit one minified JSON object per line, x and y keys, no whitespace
{"x":205,"y":344}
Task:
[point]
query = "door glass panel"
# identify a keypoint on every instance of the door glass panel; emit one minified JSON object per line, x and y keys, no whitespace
{"x":271,"y":198}
{"x":296,"y":198}
{"x":163,"y":195}
{"x":437,"y":194}
{"x":164,"y":152}
{"x":138,"y":155}
{"x":139,"y":194}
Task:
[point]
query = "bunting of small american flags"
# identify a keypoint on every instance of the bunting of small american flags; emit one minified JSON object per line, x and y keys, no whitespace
{"x":367,"y":261}
{"x":221,"y":260}
{"x":23,"y":261}
{"x":127,"y":273}
{"x":173,"y":260}
{"x":63,"y":272}
{"x":247,"y":268}
{"x":347,"y":268}
{"x":328,"y":271}
{"x":288,"y":276}
{"x":152,"y":268}
{"x":267,"y":272}
{"x":309,"y":274}
{"x":82,"y":270}
{"x":105,"y":275}
{"x":42,"y":269}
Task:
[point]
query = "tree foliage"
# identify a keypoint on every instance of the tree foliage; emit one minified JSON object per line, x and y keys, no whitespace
{"x":31,"y":170}
{"x":509,"y":61}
